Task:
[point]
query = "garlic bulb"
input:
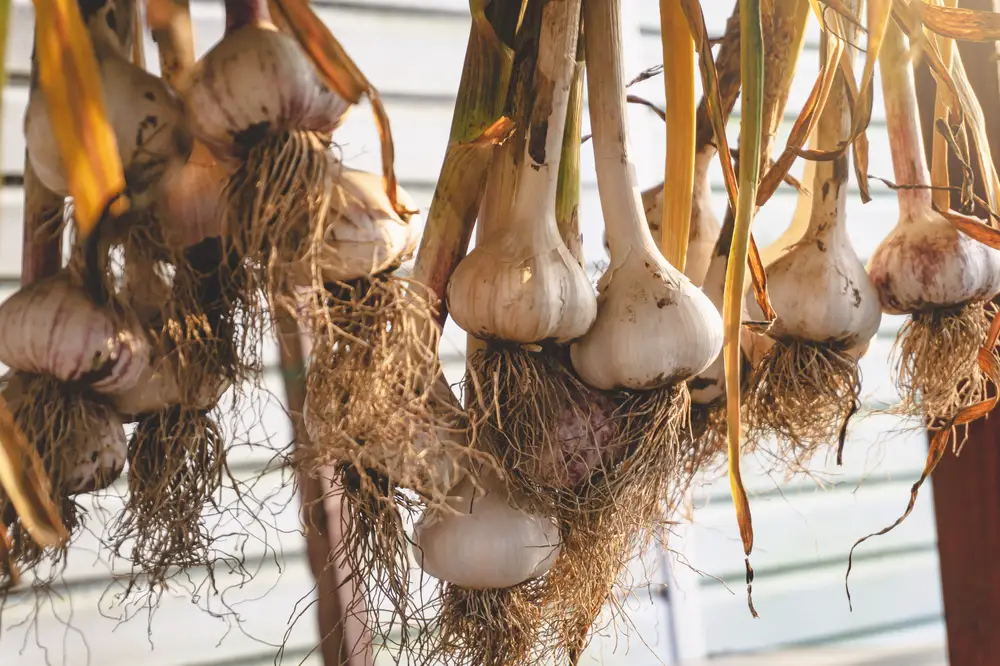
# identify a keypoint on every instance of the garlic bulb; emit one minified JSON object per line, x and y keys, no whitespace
{"x":363,"y":235}
{"x":257,"y":81}
{"x":819,"y":288}
{"x":521,"y":284}
{"x":925,"y":263}
{"x":704,"y":224}
{"x":98,"y":457}
{"x":481,"y":542}
{"x":654,"y":326}
{"x":145,"y":115}
{"x":159,"y":388}
{"x":190,"y":199}
{"x":52,"y":327}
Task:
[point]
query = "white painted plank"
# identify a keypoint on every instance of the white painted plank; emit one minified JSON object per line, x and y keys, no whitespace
{"x":810,"y":527}
{"x":809,"y":605}
{"x":83,"y":629}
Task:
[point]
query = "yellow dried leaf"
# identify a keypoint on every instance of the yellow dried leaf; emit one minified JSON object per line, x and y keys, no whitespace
{"x":678,"y":82}
{"x":342,"y":75}
{"x":71,"y":82}
{"x":751,"y":146}
{"x":969,"y":25}
{"x":24,"y":481}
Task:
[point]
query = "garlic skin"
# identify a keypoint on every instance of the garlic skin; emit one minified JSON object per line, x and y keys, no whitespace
{"x":482,"y":542}
{"x":925,"y":263}
{"x":820,"y":292}
{"x":257,"y":81}
{"x":364,"y":235}
{"x":145,"y":115}
{"x":655,"y":327}
{"x":190,"y":198}
{"x":98,"y":457}
{"x":52,"y":327}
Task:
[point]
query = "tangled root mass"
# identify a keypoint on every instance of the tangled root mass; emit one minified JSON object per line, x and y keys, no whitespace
{"x":803,"y":393}
{"x":936,"y":361}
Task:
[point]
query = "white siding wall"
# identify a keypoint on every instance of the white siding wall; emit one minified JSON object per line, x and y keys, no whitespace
{"x":413,"y":50}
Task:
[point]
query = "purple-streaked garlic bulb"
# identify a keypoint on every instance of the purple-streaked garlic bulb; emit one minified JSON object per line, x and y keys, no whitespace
{"x":52,"y":327}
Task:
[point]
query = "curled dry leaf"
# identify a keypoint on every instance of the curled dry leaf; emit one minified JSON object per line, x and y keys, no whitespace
{"x":341,"y":74}
{"x":23,"y":479}
{"x":970,"y":25}
{"x":69,"y":76}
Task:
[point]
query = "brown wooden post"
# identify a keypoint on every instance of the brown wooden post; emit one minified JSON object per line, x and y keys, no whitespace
{"x":967,"y":487}
{"x":344,"y":639}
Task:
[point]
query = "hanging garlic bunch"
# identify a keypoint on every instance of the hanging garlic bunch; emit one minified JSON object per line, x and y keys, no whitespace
{"x":927,"y":268}
{"x":52,"y":327}
{"x":146,"y":117}
{"x":278,"y":134}
{"x":807,"y":384}
{"x":69,"y":355}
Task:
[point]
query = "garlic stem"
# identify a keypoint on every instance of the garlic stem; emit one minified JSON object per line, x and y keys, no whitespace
{"x":538,"y":174}
{"x":41,"y":256}
{"x":902,"y":117}
{"x":170,"y":24}
{"x":568,"y":190}
{"x":241,"y":13}
{"x":827,"y":219}
{"x":621,"y":200}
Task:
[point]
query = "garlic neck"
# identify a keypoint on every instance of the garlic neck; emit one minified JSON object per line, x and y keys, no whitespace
{"x":241,"y":13}
{"x":906,"y":143}
{"x":538,"y":172}
{"x":827,"y":220}
{"x":702,"y":182}
{"x":621,"y":200}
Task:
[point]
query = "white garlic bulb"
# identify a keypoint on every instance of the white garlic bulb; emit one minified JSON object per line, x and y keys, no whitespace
{"x":145,"y":115}
{"x":818,"y":288}
{"x":255,"y":82}
{"x":159,"y":388}
{"x":521,"y":284}
{"x":364,"y":235}
{"x":52,"y":327}
{"x":190,"y":199}
{"x":482,"y":542}
{"x":925,"y":263}
{"x":654,"y":326}
{"x":98,"y":457}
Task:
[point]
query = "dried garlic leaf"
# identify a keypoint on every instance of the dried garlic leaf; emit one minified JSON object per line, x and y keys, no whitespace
{"x":751,"y":147}
{"x":70,"y":79}
{"x":24,"y":481}
{"x":678,"y":83}
{"x":343,"y":76}
{"x":968,"y":25}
